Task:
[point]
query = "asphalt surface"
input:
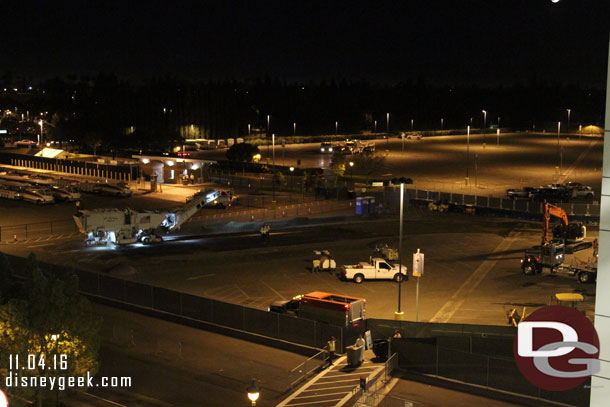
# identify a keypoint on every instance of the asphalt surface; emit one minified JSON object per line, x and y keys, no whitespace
{"x":472,"y":270}
{"x":439,"y":163}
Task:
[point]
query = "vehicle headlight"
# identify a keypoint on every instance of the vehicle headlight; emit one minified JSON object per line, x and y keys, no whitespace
{"x":322,"y":149}
{"x":330,"y":149}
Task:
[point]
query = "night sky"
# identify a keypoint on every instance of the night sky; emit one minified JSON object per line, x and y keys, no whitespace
{"x":458,"y":42}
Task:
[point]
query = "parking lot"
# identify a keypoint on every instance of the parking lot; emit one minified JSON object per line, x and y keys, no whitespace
{"x":472,"y":264}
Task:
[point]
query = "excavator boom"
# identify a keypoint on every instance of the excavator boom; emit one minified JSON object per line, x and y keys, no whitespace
{"x":556,"y":211}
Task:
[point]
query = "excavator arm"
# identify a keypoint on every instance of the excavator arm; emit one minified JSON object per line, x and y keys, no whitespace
{"x":556,"y":211}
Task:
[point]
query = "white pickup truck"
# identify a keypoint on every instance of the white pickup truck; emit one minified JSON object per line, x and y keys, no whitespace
{"x":376,"y":269}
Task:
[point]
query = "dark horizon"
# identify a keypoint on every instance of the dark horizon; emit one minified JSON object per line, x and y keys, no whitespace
{"x":480,"y":43}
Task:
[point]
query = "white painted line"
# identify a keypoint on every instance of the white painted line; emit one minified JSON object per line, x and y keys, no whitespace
{"x":319,"y":395}
{"x":328,"y":388}
{"x":285,"y":402}
{"x":272,"y":289}
{"x":459,"y":297}
{"x":242,"y":291}
{"x":335,"y":381}
{"x":41,"y":245}
{"x":311,"y":402}
{"x":201,"y":276}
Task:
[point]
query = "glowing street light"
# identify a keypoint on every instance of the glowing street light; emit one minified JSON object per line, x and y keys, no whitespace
{"x":253,"y":392}
{"x":40,"y":122}
{"x":484,"y":123}
{"x":568,"y":128}
{"x":294,"y":129}
{"x":336,"y":128}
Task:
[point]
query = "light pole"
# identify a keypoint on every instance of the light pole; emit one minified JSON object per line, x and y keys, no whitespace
{"x":467,"y":151}
{"x":484,"y":124}
{"x":568,"y":128}
{"x":253,"y":392}
{"x":294,"y":129}
{"x":248,"y":129}
{"x":558,"y":146}
{"x":336,"y":128}
{"x":387,"y":126}
{"x":273,"y":163}
{"x":411,"y":125}
{"x":375,"y":127}
{"x":41,"y":138}
{"x":441,"y":124}
{"x":351,"y":172}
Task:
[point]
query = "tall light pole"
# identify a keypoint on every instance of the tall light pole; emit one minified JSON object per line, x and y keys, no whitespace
{"x":273,"y":164}
{"x":399,"y":314}
{"x":442,"y":123}
{"x":248,"y":129}
{"x":559,"y":157}
{"x":336,"y":128}
{"x":467,"y":150}
{"x":387,"y":127}
{"x":484,"y":124}
{"x":375,"y":127}
{"x":411,"y":125}
{"x":294,"y":129}
{"x":41,"y":139}
{"x":568,"y":128}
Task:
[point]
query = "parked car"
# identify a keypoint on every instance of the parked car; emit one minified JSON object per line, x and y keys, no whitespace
{"x":579,"y":190}
{"x":551,"y":194}
{"x":520,"y":193}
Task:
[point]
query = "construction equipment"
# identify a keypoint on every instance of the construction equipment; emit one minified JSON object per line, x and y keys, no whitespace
{"x":551,"y":254}
{"x":387,"y":252}
{"x":323,"y":262}
{"x":128,"y":226}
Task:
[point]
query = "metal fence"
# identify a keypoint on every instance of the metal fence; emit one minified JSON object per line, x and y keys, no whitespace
{"x":281,"y":211}
{"x":371,"y":396}
{"x":34,"y":230}
{"x":503,"y":205}
{"x":268,"y":324}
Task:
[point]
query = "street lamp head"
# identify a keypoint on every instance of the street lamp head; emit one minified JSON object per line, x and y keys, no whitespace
{"x":351,"y":163}
{"x":291,"y":169}
{"x":253,"y":391}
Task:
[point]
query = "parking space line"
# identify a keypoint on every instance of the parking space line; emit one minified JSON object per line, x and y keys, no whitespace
{"x":272,"y":289}
{"x":315,"y":402}
{"x":328,"y":388}
{"x":319,"y":395}
{"x":472,"y":282}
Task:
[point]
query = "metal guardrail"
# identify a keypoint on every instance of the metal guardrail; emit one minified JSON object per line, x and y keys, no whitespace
{"x":371,"y":397}
{"x":305,"y":369}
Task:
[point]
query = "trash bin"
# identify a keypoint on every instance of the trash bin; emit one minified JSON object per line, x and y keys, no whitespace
{"x":380,"y":348}
{"x":354,"y":355}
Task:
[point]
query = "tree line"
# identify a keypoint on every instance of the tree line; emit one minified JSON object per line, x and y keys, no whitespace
{"x":114,"y":114}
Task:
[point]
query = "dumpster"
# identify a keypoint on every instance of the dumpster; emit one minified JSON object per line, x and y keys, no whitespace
{"x":380,"y":348}
{"x":355,"y":355}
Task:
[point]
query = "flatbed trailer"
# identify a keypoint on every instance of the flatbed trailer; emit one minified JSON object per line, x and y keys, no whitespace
{"x":586,"y":273}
